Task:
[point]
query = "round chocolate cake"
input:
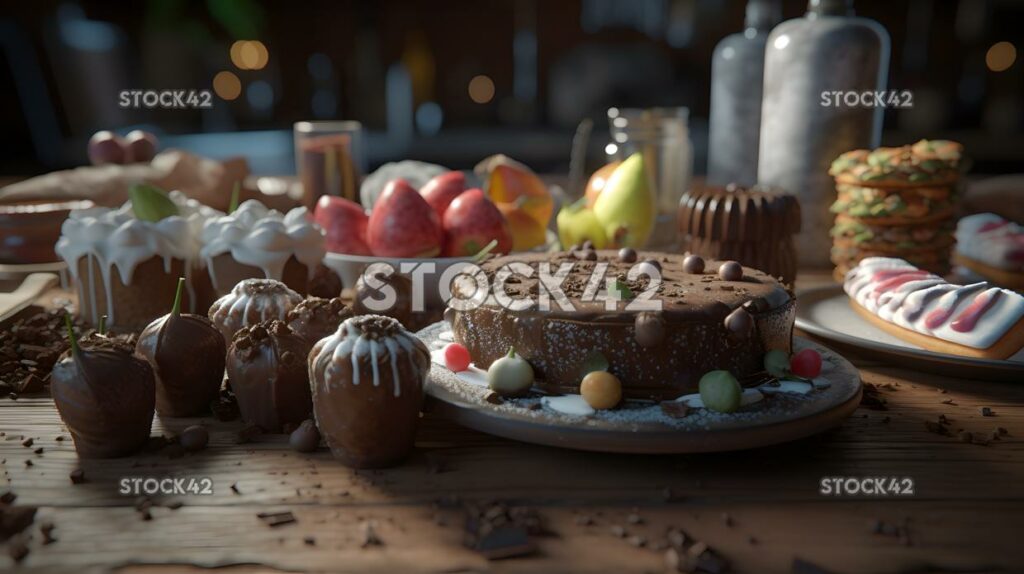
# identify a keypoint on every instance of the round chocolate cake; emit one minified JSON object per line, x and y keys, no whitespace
{"x":714,"y":315}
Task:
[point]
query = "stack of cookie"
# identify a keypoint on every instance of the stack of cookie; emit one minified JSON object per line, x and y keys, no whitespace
{"x":896,"y":202}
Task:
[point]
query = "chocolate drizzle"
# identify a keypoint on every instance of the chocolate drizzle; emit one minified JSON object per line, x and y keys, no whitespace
{"x":266,"y":366}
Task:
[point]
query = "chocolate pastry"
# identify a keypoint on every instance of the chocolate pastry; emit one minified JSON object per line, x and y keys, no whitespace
{"x":371,"y":292}
{"x":325,"y":283}
{"x":315,"y":318}
{"x":367,"y":381}
{"x":266,"y":366}
{"x":655,"y":354}
{"x":187,"y":355}
{"x":753,"y":226}
{"x":252,"y":301}
{"x":105,"y":394}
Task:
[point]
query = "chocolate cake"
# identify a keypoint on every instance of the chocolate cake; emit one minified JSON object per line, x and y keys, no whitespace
{"x":754,"y":226}
{"x":315,"y":318}
{"x":706,"y":322}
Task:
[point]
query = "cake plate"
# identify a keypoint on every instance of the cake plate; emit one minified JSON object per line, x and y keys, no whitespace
{"x":825,"y":312}
{"x":642,"y":427}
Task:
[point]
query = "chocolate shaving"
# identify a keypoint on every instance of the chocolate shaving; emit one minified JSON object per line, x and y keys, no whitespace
{"x":274,"y":519}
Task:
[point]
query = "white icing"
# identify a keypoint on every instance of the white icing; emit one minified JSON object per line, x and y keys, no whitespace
{"x":263,"y":238}
{"x":573,"y":405}
{"x":909,"y":304}
{"x":350,"y":344}
{"x":252,"y":301}
{"x":1001,"y":246}
{"x":446,"y":336}
{"x":119,"y":242}
{"x":749,"y":397}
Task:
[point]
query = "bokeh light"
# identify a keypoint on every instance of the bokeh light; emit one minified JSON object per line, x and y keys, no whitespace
{"x":249,"y":55}
{"x":481,"y":89}
{"x":1001,"y":56}
{"x":227,"y":85}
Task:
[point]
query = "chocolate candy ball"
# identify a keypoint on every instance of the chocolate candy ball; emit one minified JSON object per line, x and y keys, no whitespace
{"x":627,"y":255}
{"x":693,"y":264}
{"x":730,"y":271}
{"x":305,"y":438}
{"x":601,"y":389}
{"x":590,"y":255}
{"x":654,"y":262}
{"x":649,"y":329}
{"x":194,"y":438}
{"x":739,"y":323}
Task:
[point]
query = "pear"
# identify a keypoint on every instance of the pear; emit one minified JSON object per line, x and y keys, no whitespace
{"x":627,"y":206}
{"x":577,"y":223}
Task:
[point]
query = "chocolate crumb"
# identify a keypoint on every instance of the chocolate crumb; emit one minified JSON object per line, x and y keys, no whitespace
{"x":274,"y":519}
{"x":727,"y":519}
{"x":234,"y":488}
{"x":618,"y":531}
{"x":309,"y":541}
{"x":46,"y":529}
{"x":987,"y":412}
{"x":634,"y":519}
{"x":637,"y":541}
{"x":17,"y":549}
{"x":77,"y":476}
{"x":584,"y":520}
{"x":28,"y":442}
{"x":675,"y":409}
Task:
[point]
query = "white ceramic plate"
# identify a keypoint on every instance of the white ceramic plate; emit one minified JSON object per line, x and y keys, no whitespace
{"x":826,"y":313}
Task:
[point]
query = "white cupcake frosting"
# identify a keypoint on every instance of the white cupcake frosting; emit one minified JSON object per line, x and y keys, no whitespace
{"x":252,"y":301}
{"x":992,"y":240}
{"x":976,"y":315}
{"x":119,"y":241}
{"x":264,"y":238}
{"x":349,"y":344}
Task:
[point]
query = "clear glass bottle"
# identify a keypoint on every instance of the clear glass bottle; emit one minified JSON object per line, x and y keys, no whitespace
{"x":827,"y":51}
{"x":737,"y":71}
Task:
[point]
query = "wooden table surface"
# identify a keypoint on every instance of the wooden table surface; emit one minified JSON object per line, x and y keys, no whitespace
{"x":761,"y":510}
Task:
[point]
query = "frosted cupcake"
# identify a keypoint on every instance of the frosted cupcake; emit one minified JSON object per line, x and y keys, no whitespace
{"x":126,"y":265}
{"x":256,"y":242}
{"x":250,"y":302}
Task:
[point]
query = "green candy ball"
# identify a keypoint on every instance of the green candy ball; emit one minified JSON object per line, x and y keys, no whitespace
{"x":776,"y":362}
{"x":720,"y":391}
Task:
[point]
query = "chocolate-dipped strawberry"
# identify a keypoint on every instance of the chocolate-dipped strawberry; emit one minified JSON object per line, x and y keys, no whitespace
{"x":266,"y":366}
{"x":105,"y":394}
{"x":381,"y":294}
{"x":187,"y":355}
{"x":367,"y":381}
{"x":315,"y":318}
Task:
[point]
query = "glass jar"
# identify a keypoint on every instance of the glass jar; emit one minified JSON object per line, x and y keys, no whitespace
{"x":328,"y":158}
{"x":663,"y":136}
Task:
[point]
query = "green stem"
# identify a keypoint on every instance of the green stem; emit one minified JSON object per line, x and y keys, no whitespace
{"x":71,"y":334}
{"x":176,"y":309}
{"x":102,"y":329}
{"x":235,"y":193}
{"x":511,"y":353}
{"x":483,"y":252}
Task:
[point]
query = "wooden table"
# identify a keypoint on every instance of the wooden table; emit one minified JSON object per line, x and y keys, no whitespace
{"x":761,"y":509}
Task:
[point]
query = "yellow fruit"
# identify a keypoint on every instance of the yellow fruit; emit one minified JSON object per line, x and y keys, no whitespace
{"x":577,"y":224}
{"x":598,"y":181}
{"x":627,"y":206}
{"x":601,"y":390}
{"x":527,"y":233}
{"x":508,"y":181}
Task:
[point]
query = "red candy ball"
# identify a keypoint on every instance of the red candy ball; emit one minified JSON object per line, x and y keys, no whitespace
{"x":806,"y":364}
{"x":456,"y":357}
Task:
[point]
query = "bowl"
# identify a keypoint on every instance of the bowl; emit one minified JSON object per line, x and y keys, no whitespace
{"x":350,"y":267}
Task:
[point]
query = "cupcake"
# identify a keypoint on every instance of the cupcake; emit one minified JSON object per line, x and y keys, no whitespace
{"x":266,"y":367}
{"x":315,"y":318}
{"x":252,"y":301}
{"x":256,"y":242}
{"x":367,"y":381}
{"x":126,"y":262}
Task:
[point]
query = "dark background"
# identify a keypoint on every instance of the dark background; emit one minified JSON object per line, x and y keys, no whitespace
{"x":403,"y":68}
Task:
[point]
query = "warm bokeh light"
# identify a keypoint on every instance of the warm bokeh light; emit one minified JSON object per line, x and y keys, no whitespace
{"x":1001,"y":56}
{"x":249,"y":55}
{"x":481,"y":89}
{"x":227,"y":85}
